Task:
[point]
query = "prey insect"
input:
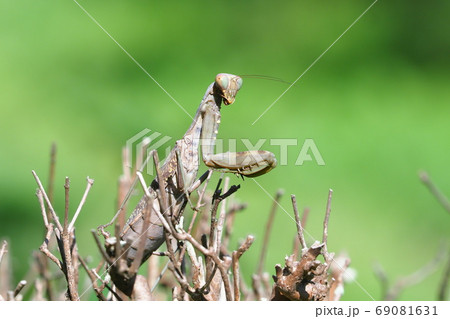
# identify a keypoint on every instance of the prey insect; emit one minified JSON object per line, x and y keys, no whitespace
{"x":178,"y":174}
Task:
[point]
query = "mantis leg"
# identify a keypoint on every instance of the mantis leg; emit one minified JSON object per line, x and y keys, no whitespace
{"x":248,"y":163}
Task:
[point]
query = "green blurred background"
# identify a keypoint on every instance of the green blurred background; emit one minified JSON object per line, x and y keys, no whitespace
{"x":376,"y":105}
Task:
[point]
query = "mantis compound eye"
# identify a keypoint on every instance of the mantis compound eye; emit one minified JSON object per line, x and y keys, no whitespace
{"x":223,"y":80}
{"x":238,"y":83}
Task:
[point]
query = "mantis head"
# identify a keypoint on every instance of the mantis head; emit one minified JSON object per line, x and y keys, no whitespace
{"x":228,"y":85}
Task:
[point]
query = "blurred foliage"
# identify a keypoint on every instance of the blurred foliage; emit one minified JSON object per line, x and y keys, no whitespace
{"x":376,"y":105}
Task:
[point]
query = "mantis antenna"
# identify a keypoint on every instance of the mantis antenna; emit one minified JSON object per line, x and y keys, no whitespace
{"x":265,"y":77}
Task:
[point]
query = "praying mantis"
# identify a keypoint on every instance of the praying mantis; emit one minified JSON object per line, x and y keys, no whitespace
{"x":179,"y":172}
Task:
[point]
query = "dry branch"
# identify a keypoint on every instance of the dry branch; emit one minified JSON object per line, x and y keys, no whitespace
{"x":442,"y":199}
{"x":392,"y":291}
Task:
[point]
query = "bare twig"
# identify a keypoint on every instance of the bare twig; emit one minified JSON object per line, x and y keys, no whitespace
{"x":229,"y":222}
{"x":47,"y":200}
{"x":100,"y":247}
{"x":392,"y":292}
{"x":380,"y":273}
{"x":141,"y":290}
{"x":196,"y":210}
{"x":338,"y":267}
{"x":222,"y":213}
{"x":445,"y":279}
{"x":236,"y":274}
{"x":46,"y":251}
{"x":66,"y":202}
{"x":67,"y":251}
{"x":42,"y":205}
{"x":269,"y":224}
{"x":147,"y":193}
{"x":300,"y":235}
{"x":415,"y":278}
{"x":257,"y":287}
{"x":5,"y":271}
{"x":141,"y":152}
{"x":212,"y":230}
{"x":90,"y":182}
{"x":442,"y":199}
{"x":296,"y":239}
{"x":163,"y":202}
{"x":325,"y":227}
{"x":51,"y":175}
{"x":3,"y":250}
{"x":92,"y":276}
{"x":19,"y":287}
{"x":209,"y":252}
{"x":43,"y":270}
{"x":101,"y":228}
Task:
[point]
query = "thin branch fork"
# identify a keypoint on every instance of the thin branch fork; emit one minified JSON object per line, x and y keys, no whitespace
{"x":47,"y":200}
{"x":94,"y":280}
{"x":208,"y":252}
{"x":182,"y":235}
{"x":392,"y":291}
{"x":90,"y":182}
{"x":212,"y":253}
{"x":65,"y":235}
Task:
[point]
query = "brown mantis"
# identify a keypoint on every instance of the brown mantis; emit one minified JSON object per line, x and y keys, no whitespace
{"x":177,"y":176}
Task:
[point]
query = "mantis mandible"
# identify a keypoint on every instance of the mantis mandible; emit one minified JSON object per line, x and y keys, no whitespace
{"x":179,"y":171}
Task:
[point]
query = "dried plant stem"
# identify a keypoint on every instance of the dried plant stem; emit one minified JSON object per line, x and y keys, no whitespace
{"x":147,"y":193}
{"x":123,"y":187}
{"x":262,"y":257}
{"x":196,"y":210}
{"x":236,"y":274}
{"x":163,"y":202}
{"x":47,"y":200}
{"x":92,"y":276}
{"x":325,"y":227}
{"x":214,"y":257}
{"x":44,"y":247}
{"x":229,"y":222}
{"x":222,"y":213}
{"x":296,"y":238}
{"x":442,"y":199}
{"x":19,"y":287}
{"x":51,"y":175}
{"x":3,"y":250}
{"x":100,"y":247}
{"x":444,"y":282}
{"x":101,"y":228}
{"x":300,"y":235}
{"x":391,"y":292}
{"x":67,"y":251}
{"x":90,"y":182}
